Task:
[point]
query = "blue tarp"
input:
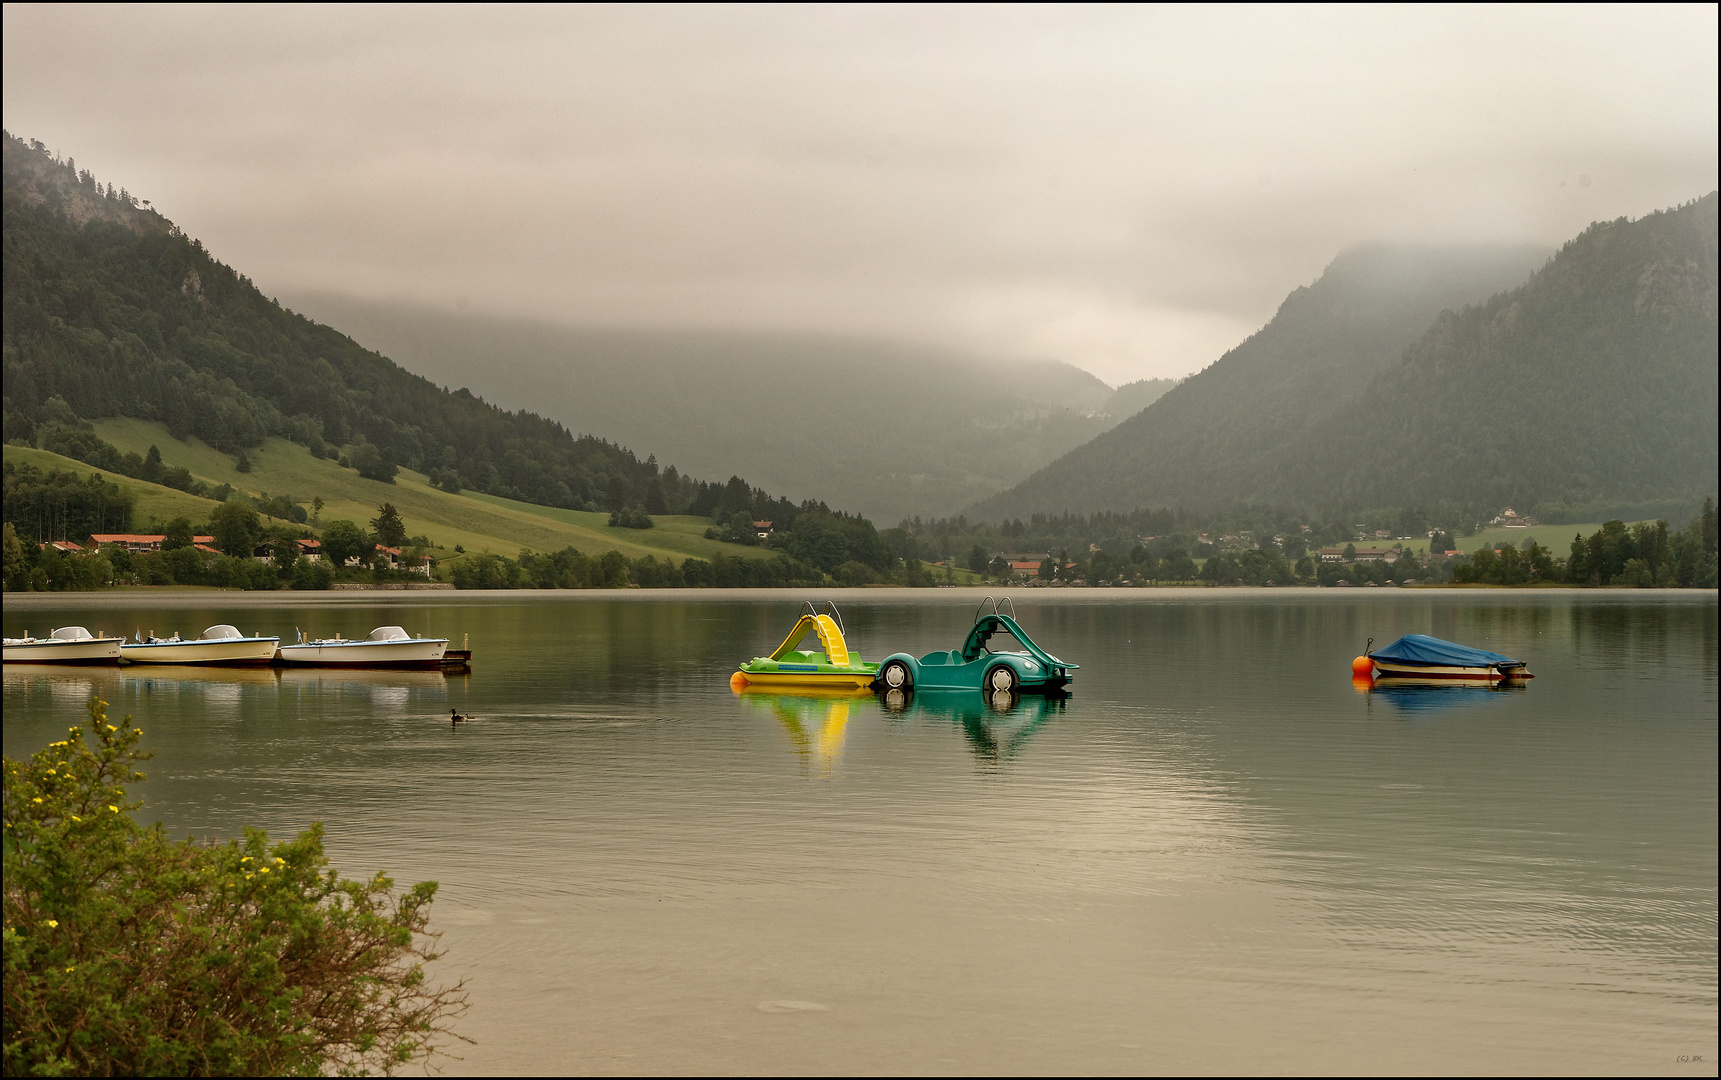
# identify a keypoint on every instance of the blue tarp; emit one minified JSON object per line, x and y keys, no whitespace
{"x":1422,"y":649}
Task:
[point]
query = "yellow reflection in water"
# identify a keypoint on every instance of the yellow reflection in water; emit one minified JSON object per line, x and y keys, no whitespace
{"x":817,"y":722}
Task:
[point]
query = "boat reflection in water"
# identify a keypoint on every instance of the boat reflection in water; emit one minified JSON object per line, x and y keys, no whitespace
{"x":816,"y":719}
{"x":1421,"y":697}
{"x":68,"y":688}
{"x":997,"y":724}
{"x":387,"y":689}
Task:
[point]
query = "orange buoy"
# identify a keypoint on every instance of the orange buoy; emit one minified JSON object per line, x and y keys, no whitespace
{"x":1362,"y":667}
{"x":737,"y":682}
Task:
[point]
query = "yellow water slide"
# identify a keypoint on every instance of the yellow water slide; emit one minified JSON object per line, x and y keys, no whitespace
{"x":830,"y":636}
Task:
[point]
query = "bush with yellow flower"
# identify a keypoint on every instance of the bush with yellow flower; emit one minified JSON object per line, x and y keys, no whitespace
{"x":127,"y":952}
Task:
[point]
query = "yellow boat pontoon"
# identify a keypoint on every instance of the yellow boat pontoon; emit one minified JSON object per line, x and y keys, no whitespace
{"x":834,"y":667}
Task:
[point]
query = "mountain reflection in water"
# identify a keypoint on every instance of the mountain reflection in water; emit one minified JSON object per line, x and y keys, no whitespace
{"x":1215,"y":855}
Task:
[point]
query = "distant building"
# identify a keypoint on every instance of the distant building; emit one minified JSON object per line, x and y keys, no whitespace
{"x":136,"y":542}
{"x":1377,"y":554}
{"x":763,"y":529}
{"x":1368,"y":554}
{"x":1510,"y":519}
{"x":64,"y":547}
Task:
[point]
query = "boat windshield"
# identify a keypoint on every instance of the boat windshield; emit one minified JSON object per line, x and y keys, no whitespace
{"x":1002,"y":640}
{"x":73,"y":633}
{"x":221,"y":631}
{"x":389,"y":633}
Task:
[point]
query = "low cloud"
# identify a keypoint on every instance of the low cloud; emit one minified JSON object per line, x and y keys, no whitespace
{"x":1132,"y":190}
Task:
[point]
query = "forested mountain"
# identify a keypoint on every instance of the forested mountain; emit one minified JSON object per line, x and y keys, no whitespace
{"x":111,"y":311}
{"x":1216,"y":440}
{"x":888,"y":429}
{"x":1131,"y":398}
{"x":1588,"y":391}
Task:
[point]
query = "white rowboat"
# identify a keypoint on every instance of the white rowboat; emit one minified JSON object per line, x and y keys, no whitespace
{"x":67,"y":645}
{"x":387,"y":646}
{"x":221,"y":644}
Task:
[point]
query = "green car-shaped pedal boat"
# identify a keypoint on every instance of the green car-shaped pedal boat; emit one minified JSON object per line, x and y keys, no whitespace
{"x":976,"y":666}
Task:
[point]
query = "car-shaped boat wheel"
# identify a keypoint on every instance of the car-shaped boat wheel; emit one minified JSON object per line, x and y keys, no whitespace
{"x":976,"y":666}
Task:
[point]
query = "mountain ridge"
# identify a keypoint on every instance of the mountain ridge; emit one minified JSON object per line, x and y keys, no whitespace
{"x":1203,"y":445}
{"x":906,"y":429}
{"x":112,"y":311}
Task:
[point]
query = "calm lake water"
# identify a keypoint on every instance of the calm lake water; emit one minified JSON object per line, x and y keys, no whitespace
{"x":1215,"y":856}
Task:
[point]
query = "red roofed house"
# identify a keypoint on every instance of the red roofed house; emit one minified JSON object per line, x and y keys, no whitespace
{"x":135,"y":542}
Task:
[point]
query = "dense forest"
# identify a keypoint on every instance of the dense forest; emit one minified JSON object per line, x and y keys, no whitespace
{"x":111,"y":311}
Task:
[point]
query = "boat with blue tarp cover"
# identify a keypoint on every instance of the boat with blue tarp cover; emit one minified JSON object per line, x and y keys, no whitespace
{"x":1423,"y":657}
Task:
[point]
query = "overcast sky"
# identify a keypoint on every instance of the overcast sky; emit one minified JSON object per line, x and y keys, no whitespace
{"x":1132,"y":190}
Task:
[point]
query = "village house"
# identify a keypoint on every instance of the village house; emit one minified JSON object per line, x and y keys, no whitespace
{"x":1510,"y":519}
{"x":139,"y":542}
{"x":1368,"y":554}
{"x":309,"y":550}
{"x":763,"y":529}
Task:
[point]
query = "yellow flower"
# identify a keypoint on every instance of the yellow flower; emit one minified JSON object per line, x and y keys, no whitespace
{"x":262,"y":869}
{"x":77,"y":819}
{"x":51,"y":772}
{"x":37,"y":799}
{"x":114,"y":808}
{"x":246,"y":859}
{"x":53,"y":924}
{"x":70,"y":970}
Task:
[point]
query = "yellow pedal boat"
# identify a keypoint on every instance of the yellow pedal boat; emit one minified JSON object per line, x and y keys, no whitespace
{"x":788,"y":666}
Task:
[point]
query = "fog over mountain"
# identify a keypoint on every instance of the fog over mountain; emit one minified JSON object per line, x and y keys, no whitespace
{"x":890,"y":429}
{"x":1131,"y":190}
{"x":1419,"y":378}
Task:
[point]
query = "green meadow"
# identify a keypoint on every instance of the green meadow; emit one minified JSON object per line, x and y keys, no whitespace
{"x":475,"y":522}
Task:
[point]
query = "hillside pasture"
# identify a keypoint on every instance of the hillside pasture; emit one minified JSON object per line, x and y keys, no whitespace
{"x":475,"y":522}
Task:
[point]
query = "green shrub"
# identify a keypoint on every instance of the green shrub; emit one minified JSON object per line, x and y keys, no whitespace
{"x":128,"y":953}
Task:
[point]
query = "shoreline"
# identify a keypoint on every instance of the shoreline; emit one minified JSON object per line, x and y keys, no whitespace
{"x":172,"y":596}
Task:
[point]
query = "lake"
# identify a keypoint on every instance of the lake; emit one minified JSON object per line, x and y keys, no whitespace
{"x":1215,"y":855}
